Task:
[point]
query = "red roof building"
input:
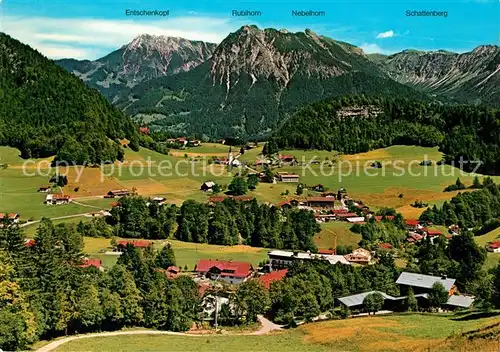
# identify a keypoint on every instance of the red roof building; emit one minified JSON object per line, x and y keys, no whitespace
{"x":172,"y":272}
{"x":9,"y":216}
{"x":137,"y":244}
{"x":144,"y":130}
{"x":494,"y":247}
{"x":30,"y":243}
{"x":385,"y":245}
{"x":412,"y":222}
{"x":326,"y":251}
{"x":226,"y":270}
{"x":287,"y":157}
{"x":433,"y":233}
{"x":347,"y":215}
{"x":414,"y":237}
{"x":267,"y":279}
{"x":88,"y":262}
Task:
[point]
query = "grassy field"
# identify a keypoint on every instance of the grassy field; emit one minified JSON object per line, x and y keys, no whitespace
{"x":186,"y":253}
{"x":178,"y":178}
{"x":212,"y":149}
{"x":408,"y":332}
{"x":339,"y":231}
{"x":493,"y":259}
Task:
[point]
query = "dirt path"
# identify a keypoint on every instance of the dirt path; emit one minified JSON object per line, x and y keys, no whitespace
{"x":267,"y":326}
{"x":56,"y":218}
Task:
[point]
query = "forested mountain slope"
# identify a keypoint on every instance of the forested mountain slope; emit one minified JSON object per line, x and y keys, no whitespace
{"x":254,"y":80}
{"x":44,"y":110}
{"x":146,"y":57}
{"x":357,"y":124}
{"x":472,"y":77}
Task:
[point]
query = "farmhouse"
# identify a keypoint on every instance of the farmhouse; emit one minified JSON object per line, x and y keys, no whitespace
{"x":232,"y":272}
{"x":320,"y":202}
{"x":57,"y":199}
{"x":9,"y":217}
{"x":385,"y":246}
{"x":359,"y":256}
{"x":29,"y":242}
{"x":287,"y":158}
{"x":92,"y":262}
{"x":172,"y":272}
{"x":494,"y":247}
{"x":267,"y":279}
{"x":279,"y":259}
{"x":287,"y":177}
{"x":345,"y":216}
{"x":413,"y":224}
{"x":120,"y":245}
{"x":414,"y":237}
{"x":356,"y":219}
{"x":194,"y":143}
{"x":159,"y":200}
{"x":324,"y":217}
{"x":44,"y":189}
{"x":288,"y":203}
{"x":207,"y":186}
{"x":421,"y":283}
{"x":118,"y":193}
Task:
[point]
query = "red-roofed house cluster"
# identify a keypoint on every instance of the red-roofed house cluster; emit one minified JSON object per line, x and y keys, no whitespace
{"x":418,"y":231}
{"x":9,"y":218}
{"x":230,"y":271}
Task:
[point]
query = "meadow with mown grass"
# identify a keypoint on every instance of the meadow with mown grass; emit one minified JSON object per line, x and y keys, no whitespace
{"x":405,"y":332}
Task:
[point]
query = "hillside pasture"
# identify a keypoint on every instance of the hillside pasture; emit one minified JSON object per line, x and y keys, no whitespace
{"x":406,"y":332}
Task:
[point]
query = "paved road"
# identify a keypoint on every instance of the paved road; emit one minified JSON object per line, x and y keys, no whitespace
{"x":267,"y":326}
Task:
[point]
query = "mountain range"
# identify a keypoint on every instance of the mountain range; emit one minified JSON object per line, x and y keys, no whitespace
{"x":472,"y":77}
{"x":255,"y":79}
{"x":146,"y":57}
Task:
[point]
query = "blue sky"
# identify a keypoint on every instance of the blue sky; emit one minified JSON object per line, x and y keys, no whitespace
{"x":90,"y":29}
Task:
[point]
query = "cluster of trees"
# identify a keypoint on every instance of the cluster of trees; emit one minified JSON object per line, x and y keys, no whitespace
{"x":46,"y":111}
{"x":389,"y":231}
{"x":459,"y":185}
{"x":398,"y":121}
{"x":45,"y":292}
{"x":469,"y":209}
{"x":460,"y":258}
{"x":258,"y":225}
{"x":138,"y":217}
{"x":311,"y":288}
{"x":226,"y":223}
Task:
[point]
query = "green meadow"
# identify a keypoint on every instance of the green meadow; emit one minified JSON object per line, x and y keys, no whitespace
{"x":404,"y":332}
{"x":186,"y":253}
{"x":398,"y":184}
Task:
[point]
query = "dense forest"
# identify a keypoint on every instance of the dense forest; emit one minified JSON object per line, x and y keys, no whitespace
{"x":46,"y":111}
{"x":226,"y":223}
{"x":357,"y":124}
{"x":469,"y":209}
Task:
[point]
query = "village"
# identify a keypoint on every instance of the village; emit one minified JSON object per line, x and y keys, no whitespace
{"x":217,"y":279}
